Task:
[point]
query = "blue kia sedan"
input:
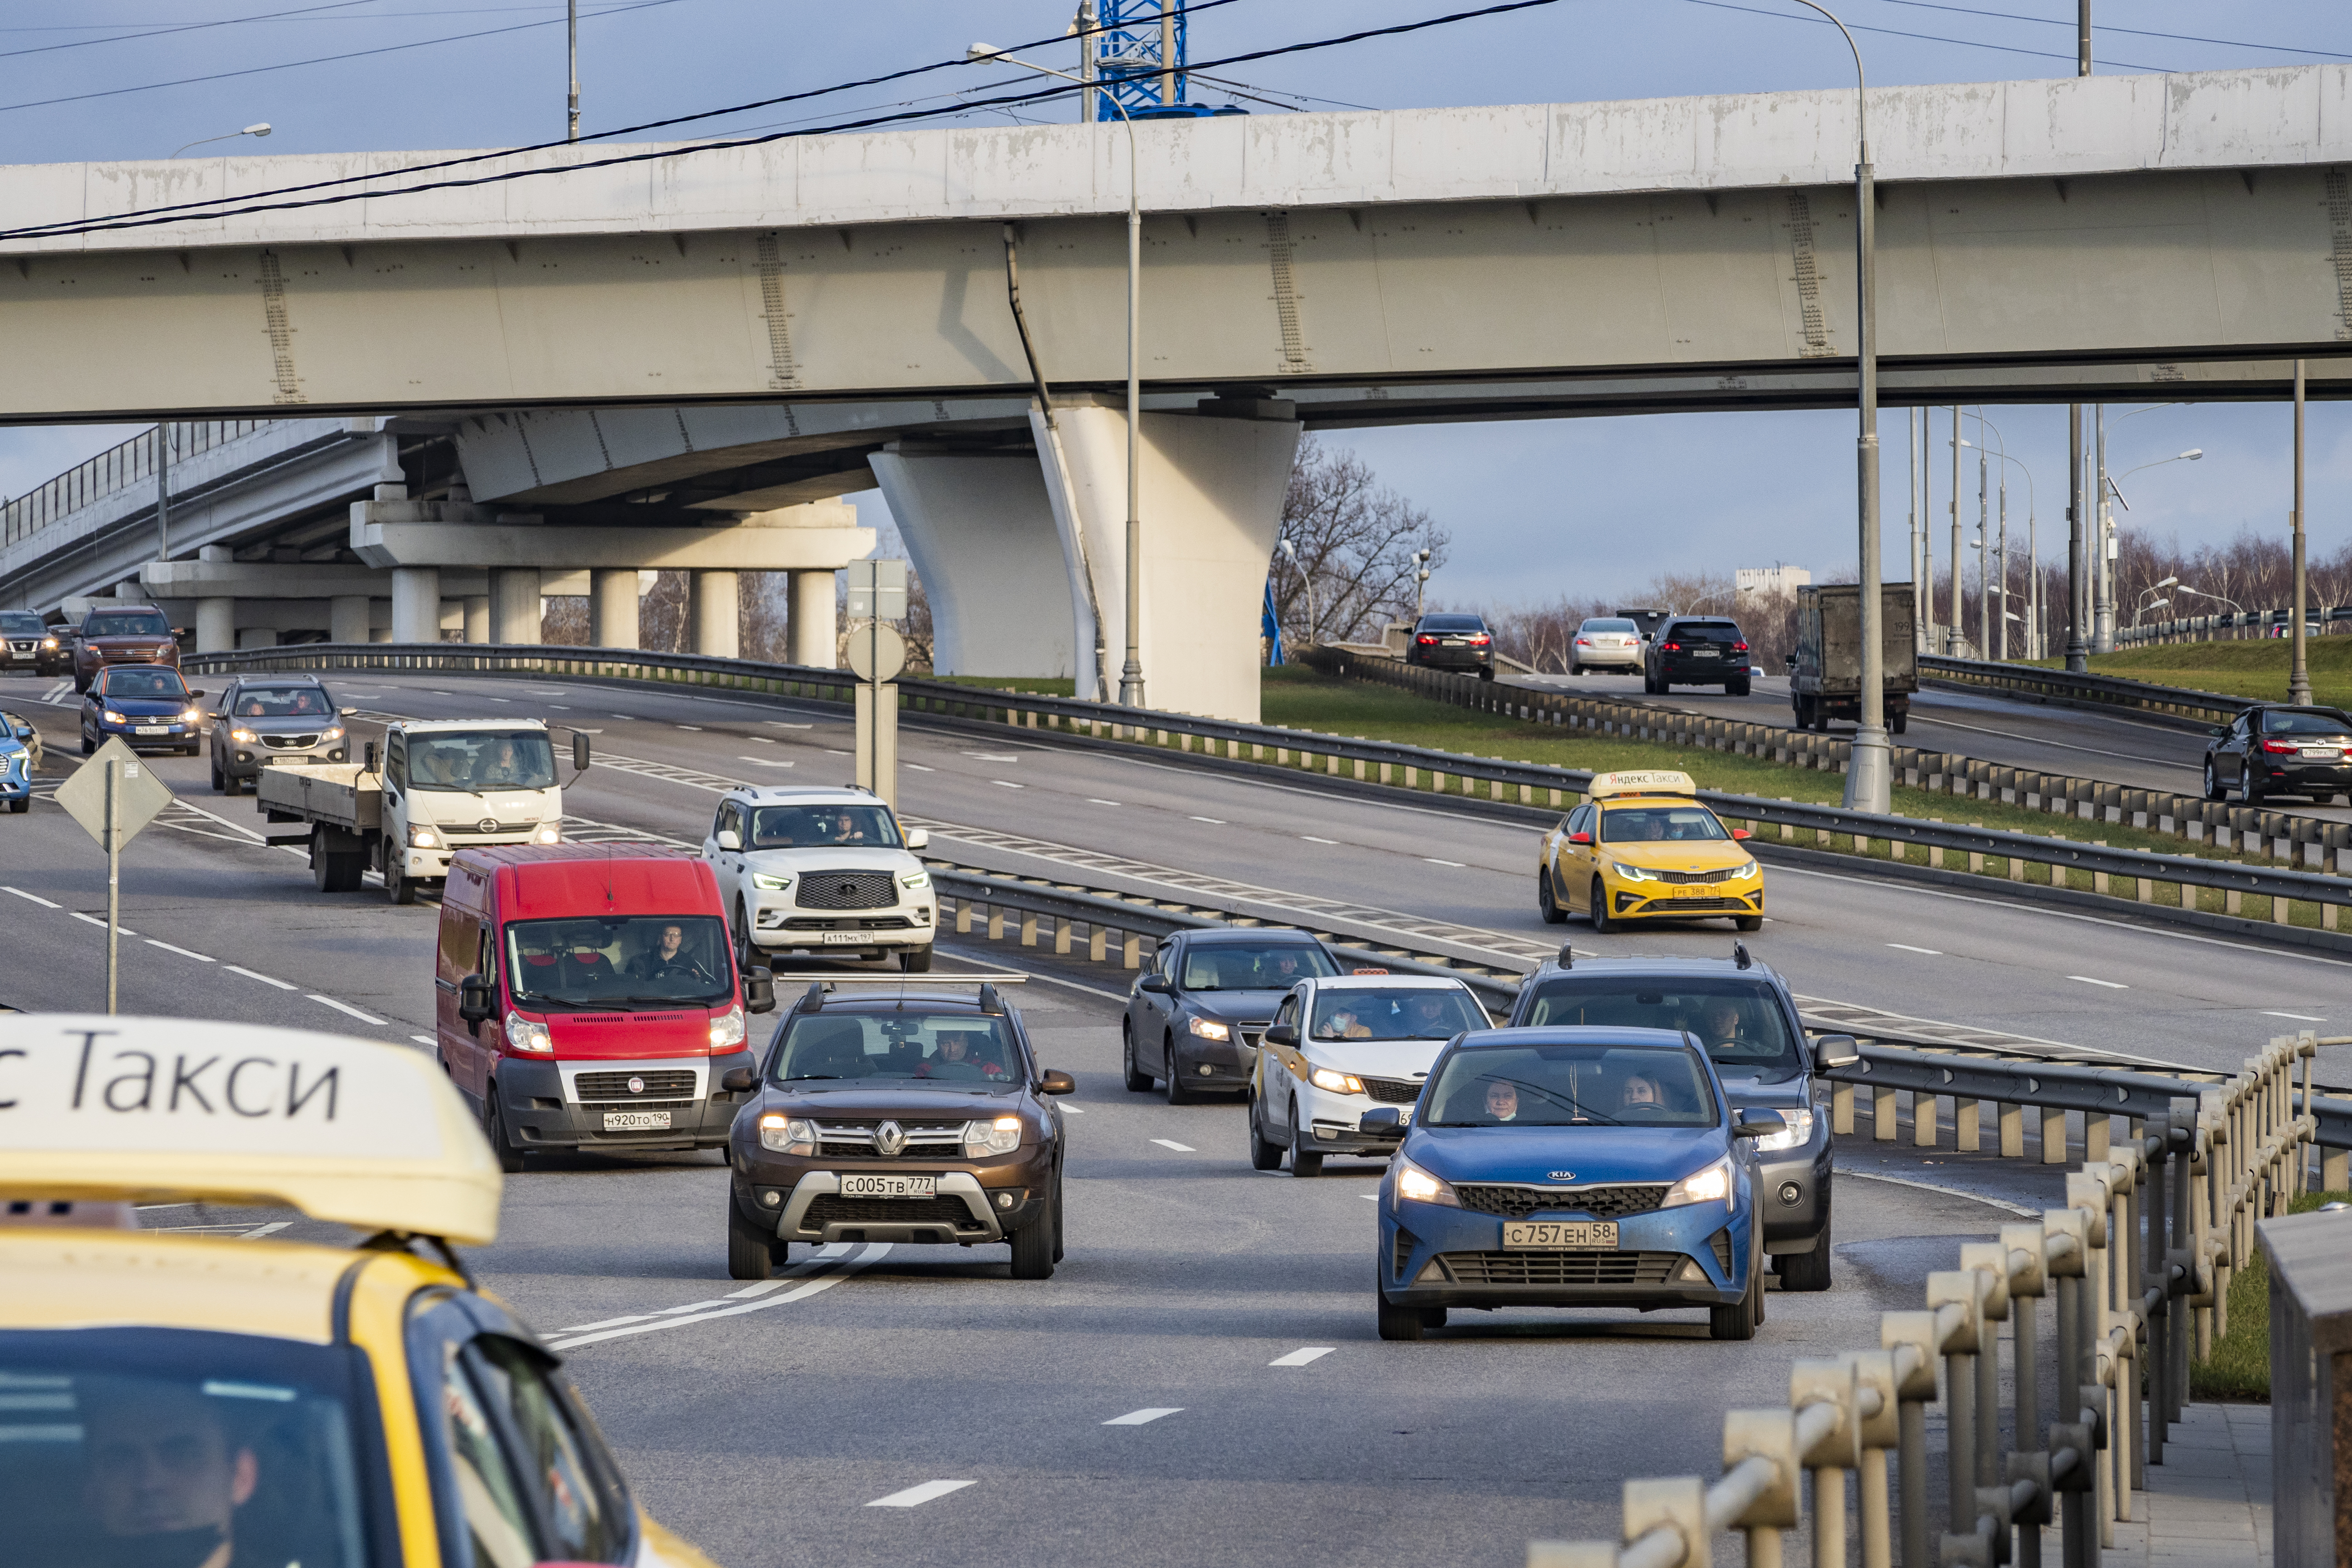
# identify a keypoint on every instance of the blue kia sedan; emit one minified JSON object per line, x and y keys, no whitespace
{"x":1571,"y":1167}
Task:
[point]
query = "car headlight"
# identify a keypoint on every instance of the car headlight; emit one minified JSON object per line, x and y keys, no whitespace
{"x":111,"y":716}
{"x":1209,"y":1028}
{"x":331,"y":733}
{"x":727,"y":1029}
{"x":49,"y":642}
{"x":1800,"y":1128}
{"x":916,"y":879}
{"x":552,"y":833}
{"x":768,"y":883}
{"x":1749,"y":869}
{"x":981,"y":1139}
{"x":1710,"y":1185}
{"x":1336,"y":1082}
{"x":191,"y":716}
{"x":242,"y":737}
{"x":421,"y":838}
{"x":1418,"y":1185}
{"x":1637,"y":873}
{"x":787,"y":1135}
{"x":525,"y":1034}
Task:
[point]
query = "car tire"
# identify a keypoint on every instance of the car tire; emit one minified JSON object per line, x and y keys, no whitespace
{"x":494,"y":1128}
{"x":1265,"y":1154}
{"x":1546,"y":905}
{"x":1736,"y":688}
{"x":1807,"y":1270}
{"x":1032,"y":1245}
{"x":1432,"y":1317}
{"x":914,"y":960}
{"x":1576,"y":670}
{"x":2249,"y":793}
{"x":20,"y":806}
{"x":742,"y":933}
{"x":1058,"y":1212}
{"x":1173,"y":1078}
{"x":1748,"y":922}
{"x":1304,"y":1162}
{"x":1486,"y":672}
{"x":87,"y":745}
{"x":1601,"y":924}
{"x":1397,"y":1322}
{"x":2213,"y":789}
{"x":398,"y":887}
{"x":220,"y":780}
{"x":1739,"y":1321}
{"x":1138,"y":1081}
{"x":751,"y":1253}
{"x":1900,"y":722}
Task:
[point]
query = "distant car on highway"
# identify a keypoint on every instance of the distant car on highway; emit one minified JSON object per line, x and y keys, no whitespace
{"x":120,"y":634}
{"x":916,"y":1115}
{"x":1606,"y":642}
{"x":1337,"y":1048}
{"x":273,"y":720}
{"x":1696,"y":651}
{"x":1642,"y":848}
{"x":23,"y":731}
{"x":28,"y":642}
{"x":1571,"y":1167}
{"x":15,"y":770}
{"x":147,"y":708}
{"x":1455,"y":642}
{"x":2272,"y":749}
{"x":1194,"y":1016}
{"x":825,"y":872}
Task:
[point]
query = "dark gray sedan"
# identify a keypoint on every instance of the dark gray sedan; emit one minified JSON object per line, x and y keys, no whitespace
{"x":1194,"y":1018}
{"x":266,"y":720}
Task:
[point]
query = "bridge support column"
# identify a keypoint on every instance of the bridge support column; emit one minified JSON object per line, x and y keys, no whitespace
{"x":813,"y":629}
{"x":416,"y":604}
{"x":514,"y":604}
{"x":347,"y":619}
{"x":474,"y":617}
{"x":215,"y":625}
{"x":257,"y":637}
{"x":612,"y":608}
{"x":711,"y":614}
{"x":982,"y":534}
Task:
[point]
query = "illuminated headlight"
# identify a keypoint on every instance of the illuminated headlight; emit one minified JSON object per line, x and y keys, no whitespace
{"x":552,"y":833}
{"x":48,"y":642}
{"x":242,"y":737}
{"x":767,"y":883}
{"x":726,"y":1030}
{"x":1336,"y":1082}
{"x":981,"y":1139}
{"x":1418,"y":1185}
{"x":787,"y":1135}
{"x":1751,"y":869}
{"x":331,"y":733}
{"x":192,"y":716}
{"x":421,"y":838}
{"x":916,"y":879}
{"x":1637,"y":873}
{"x":1800,"y":1127}
{"x":1711,"y":1184}
{"x":111,"y":716}
{"x":525,"y":1034}
{"x":1209,"y":1028}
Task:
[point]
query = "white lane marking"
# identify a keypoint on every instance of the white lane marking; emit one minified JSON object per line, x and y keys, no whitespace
{"x":1302,"y":1356}
{"x":344,"y":1007}
{"x":919,"y":767}
{"x":830,"y":1253}
{"x":916,"y":1497}
{"x":1906,"y":947}
{"x":766,"y":762}
{"x":1172,"y":1143}
{"x":557,"y":708}
{"x":761,"y":739}
{"x":425,"y":1040}
{"x":1312,"y":839}
{"x":696,"y":728}
{"x":1007,"y":783}
{"x":993,"y":756}
{"x":93,"y":920}
{"x":1946,"y":1192}
{"x":2298,"y":1017}
{"x":1367,"y":1197}
{"x":32,"y":898}
{"x":256,"y":975}
{"x":549,"y":690}
{"x":780,"y":724}
{"x":54,"y":692}
{"x":629,"y":716}
{"x":830,"y":752}
{"x":873,"y":1253}
{"x":1092,"y":801}
{"x":272,"y":1228}
{"x":1144,"y":1417}
{"x":1074,"y":1109}
{"x":182,"y":952}
{"x":2110,"y":985}
{"x":1212,"y":821}
{"x":501,"y":699}
{"x":1436,"y":861}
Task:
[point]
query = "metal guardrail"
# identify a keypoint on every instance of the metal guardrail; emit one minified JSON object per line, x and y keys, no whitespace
{"x":2201,"y":629}
{"x":2093,"y":690}
{"x":119,"y":467}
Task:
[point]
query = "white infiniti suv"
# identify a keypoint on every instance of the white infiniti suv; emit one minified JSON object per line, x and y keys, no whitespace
{"x":822,"y":871}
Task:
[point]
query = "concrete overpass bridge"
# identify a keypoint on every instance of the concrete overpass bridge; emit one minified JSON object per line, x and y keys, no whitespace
{"x":713,"y":336}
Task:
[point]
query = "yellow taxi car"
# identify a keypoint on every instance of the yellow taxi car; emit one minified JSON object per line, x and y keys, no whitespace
{"x":200,"y":1401}
{"x":1642,"y":848}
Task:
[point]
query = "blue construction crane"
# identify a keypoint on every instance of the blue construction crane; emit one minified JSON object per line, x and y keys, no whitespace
{"x":1138,"y":60}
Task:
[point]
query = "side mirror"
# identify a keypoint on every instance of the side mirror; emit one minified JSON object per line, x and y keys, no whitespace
{"x":1057,"y":1083}
{"x":1386,"y":1124}
{"x":1792,"y":658}
{"x":1742,"y":833}
{"x":758,"y":991}
{"x":739,"y":1080}
{"x":918,"y":838}
{"x":1157,"y":984}
{"x":1579,"y":838}
{"x":1836,"y":1051}
{"x":194,"y":692}
{"x":1281,"y":1035}
{"x":728,"y":840}
{"x":475,"y":1000}
{"x":1757,"y":1123}
{"x":367,"y":757}
{"x":578,"y":752}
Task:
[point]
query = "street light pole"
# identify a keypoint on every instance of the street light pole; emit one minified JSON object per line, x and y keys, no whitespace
{"x":1953,"y":640}
{"x":2078,"y":583}
{"x":2298,"y":679}
{"x":257,"y":131}
{"x":572,"y":50}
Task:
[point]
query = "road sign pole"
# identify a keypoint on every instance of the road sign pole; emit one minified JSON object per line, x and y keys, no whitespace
{"x":114,"y":877}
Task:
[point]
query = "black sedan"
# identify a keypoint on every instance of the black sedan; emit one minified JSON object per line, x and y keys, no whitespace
{"x":2272,"y":749}
{"x":1452,"y":642}
{"x":1194,"y":1018}
{"x":1696,"y":651}
{"x":150,"y":707}
{"x":275,"y":719}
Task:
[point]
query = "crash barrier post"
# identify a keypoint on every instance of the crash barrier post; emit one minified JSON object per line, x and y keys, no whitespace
{"x":2206,"y":628}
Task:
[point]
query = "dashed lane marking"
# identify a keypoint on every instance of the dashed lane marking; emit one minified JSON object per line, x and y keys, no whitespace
{"x":425,"y":1040}
{"x":182,"y":952}
{"x":2109,"y":985}
{"x":345,"y":1007}
{"x":1906,"y":947}
{"x":1436,"y":861}
{"x":93,"y":920}
{"x":2298,"y":1017}
{"x":1312,"y":839}
{"x":1302,"y":1356}
{"x":768,"y":761}
{"x":258,"y":1231}
{"x":256,"y":975}
{"x":841,"y":1268}
{"x":916,"y":1497}
{"x":919,"y":767}
{"x":1144,"y":1417}
{"x":1007,"y":783}
{"x":1212,"y":821}
{"x":1092,"y":801}
{"x":31,"y":897}
{"x":1172,"y":1143}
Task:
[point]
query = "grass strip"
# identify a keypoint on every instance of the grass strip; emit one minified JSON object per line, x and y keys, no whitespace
{"x":2239,"y":1367}
{"x":2255,"y":669}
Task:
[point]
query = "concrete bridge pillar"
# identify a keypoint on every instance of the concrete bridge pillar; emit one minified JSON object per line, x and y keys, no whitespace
{"x":711,"y":614}
{"x":215,"y":625}
{"x":257,"y":637}
{"x":416,"y":604}
{"x":474,"y":617}
{"x":612,"y":608}
{"x":347,"y":619}
{"x":514,"y":604}
{"x":982,"y":534}
{"x":811,"y":632}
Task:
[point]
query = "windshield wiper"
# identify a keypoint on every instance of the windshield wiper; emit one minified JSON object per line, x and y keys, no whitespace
{"x":809,"y":1077}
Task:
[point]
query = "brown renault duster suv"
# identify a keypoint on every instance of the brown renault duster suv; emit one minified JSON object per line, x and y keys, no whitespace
{"x":121,"y":634}
{"x":908,"y":1116}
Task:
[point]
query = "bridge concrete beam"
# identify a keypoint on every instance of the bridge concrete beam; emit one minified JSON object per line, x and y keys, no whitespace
{"x":519,"y":542}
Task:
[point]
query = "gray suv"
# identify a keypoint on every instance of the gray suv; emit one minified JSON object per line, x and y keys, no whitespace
{"x":273,"y":720}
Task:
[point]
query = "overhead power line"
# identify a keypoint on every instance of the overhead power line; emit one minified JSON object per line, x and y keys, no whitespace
{"x":181,"y":27}
{"x":1898,"y":33}
{"x":2069,"y":23}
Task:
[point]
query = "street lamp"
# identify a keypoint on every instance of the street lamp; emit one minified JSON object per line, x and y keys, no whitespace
{"x":1420,"y":585}
{"x":2217,"y":598}
{"x":1130,"y":675}
{"x":257,"y":131}
{"x":2032,"y":562}
{"x":1308,"y":582}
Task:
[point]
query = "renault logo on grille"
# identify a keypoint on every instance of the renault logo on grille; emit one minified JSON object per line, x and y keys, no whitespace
{"x":889,"y":1137}
{"x":636,"y":1085}
{"x":487,"y":824}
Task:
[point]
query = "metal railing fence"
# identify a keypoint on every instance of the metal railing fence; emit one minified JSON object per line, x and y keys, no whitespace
{"x":2090,"y":691}
{"x":2203,"y":629}
{"x":119,"y":467}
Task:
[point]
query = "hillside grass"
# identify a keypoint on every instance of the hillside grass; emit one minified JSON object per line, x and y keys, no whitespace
{"x":2256,"y":671}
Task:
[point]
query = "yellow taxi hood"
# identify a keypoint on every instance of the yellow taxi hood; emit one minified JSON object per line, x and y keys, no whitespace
{"x":1686,"y":855}
{"x":172,"y":1111}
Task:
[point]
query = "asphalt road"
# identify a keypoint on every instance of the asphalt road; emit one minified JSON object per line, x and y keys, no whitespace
{"x":765,"y":1435}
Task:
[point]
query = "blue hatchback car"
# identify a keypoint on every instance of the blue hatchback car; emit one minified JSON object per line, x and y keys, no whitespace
{"x":1571,"y":1167}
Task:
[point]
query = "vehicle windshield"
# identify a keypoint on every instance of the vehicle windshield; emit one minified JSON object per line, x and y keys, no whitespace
{"x":472,"y":762}
{"x":970,"y":1050}
{"x":1703,"y":631}
{"x":1233,"y":967}
{"x":21,"y":623}
{"x":1573,"y":1086}
{"x":627,"y":963}
{"x":1659,"y":824}
{"x":122,"y":682}
{"x":281,"y":702}
{"x":175,"y":1448}
{"x":1626,"y":627}
{"x":1451,"y":623}
{"x":822,"y":827}
{"x":1740,"y":1022}
{"x":127,"y":623}
{"x":2286,"y":722}
{"x":1395,"y":1012}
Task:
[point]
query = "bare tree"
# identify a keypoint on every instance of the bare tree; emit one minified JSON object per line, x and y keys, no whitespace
{"x":1355,"y":540}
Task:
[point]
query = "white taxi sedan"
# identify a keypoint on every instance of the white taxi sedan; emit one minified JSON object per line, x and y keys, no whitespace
{"x":1339,"y":1045}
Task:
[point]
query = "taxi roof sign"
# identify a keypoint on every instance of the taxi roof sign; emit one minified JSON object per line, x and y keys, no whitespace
{"x":99,"y":1109}
{"x":1645,"y":781}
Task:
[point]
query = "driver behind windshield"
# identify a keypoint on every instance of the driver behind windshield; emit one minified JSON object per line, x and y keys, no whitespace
{"x":163,"y":1475}
{"x":964,"y":1054}
{"x":669,"y":959}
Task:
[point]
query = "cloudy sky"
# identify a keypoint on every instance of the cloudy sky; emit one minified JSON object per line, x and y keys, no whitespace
{"x":1537,"y":509}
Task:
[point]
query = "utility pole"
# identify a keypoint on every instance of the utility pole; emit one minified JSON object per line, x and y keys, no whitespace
{"x":1984,"y":544}
{"x":2298,"y":680}
{"x":2077,"y":591}
{"x":2103,"y":569}
{"x":1953,"y":640}
{"x":1167,"y":51}
{"x":572,"y":46}
{"x":1089,"y":46}
{"x":1923,"y":587}
{"x":1911,"y":500}
{"x":2000,"y":599}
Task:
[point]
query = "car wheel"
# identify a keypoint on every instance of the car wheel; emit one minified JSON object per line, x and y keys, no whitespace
{"x":1304,"y":1162}
{"x":494,"y":1128}
{"x":220,"y":781}
{"x":1398,"y":1322}
{"x":1032,"y":1245}
{"x":1807,"y":1270}
{"x":400,"y":887}
{"x":87,"y":745}
{"x":751,"y":1253}
{"x":1486,"y":672}
{"x":1265,"y":1154}
{"x":914,"y":960}
{"x":1736,"y":688}
{"x":2212,"y":780}
{"x":1738,"y":1321}
{"x":1546,"y":905}
{"x":1602,"y":923}
{"x":2249,"y":791}
{"x":1576,"y":670}
{"x":1138,"y":1081}
{"x":1432,"y":1317}
{"x":20,"y":806}
{"x":1900,"y":722}
{"x":1748,"y":922}
{"x":745,"y":956}
{"x":1179,"y":1092}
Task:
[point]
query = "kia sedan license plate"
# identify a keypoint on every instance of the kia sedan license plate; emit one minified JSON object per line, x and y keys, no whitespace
{"x":889,"y":1187}
{"x":843,"y":937}
{"x":1551,"y":1235}
{"x":1690,"y":892}
{"x":637,"y":1122}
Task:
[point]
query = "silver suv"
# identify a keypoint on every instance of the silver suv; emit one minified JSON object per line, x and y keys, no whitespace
{"x":822,"y":871}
